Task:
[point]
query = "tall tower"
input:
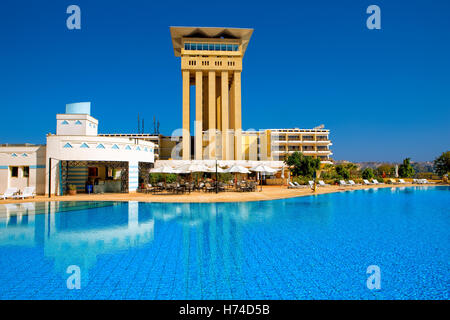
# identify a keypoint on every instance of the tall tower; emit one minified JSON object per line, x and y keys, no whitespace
{"x":211,"y":60}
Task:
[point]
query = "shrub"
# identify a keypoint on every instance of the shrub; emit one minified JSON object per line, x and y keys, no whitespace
{"x":154,"y":178}
{"x":225,"y":177}
{"x":367,"y":173}
{"x":343,"y":172}
{"x":171,"y":177}
{"x":300,"y":180}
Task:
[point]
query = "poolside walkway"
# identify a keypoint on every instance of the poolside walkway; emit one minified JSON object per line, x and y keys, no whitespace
{"x":267,"y":193}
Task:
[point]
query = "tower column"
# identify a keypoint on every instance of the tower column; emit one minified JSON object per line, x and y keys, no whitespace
{"x":198,"y":115}
{"x":237,"y":116}
{"x":186,"y":130}
{"x":212,"y":114}
{"x":225,"y":122}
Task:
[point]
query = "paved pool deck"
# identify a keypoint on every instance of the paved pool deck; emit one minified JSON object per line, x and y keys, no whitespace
{"x":267,"y":193}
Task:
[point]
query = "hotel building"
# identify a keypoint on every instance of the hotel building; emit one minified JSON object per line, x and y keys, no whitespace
{"x":212,"y":62}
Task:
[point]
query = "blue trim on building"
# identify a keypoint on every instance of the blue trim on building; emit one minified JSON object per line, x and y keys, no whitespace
{"x":39,"y":166}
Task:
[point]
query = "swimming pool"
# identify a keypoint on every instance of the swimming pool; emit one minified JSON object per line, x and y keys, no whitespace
{"x":315,"y":247}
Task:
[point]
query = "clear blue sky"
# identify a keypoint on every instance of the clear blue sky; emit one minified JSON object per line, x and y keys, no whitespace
{"x":384,"y":94}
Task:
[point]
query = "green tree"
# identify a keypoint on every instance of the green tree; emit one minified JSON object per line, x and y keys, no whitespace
{"x":405,"y":170}
{"x":302,"y":165}
{"x":442,"y":164}
{"x":367,"y":173}
{"x":353,"y":170}
{"x":343,"y":171}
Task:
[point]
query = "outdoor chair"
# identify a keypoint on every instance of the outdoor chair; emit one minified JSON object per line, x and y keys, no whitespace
{"x":209,"y":187}
{"x":292,"y":186}
{"x":322,"y":184}
{"x":9,"y":193}
{"x":28,"y":192}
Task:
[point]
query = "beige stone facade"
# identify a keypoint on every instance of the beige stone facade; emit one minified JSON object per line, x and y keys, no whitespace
{"x":211,"y":60}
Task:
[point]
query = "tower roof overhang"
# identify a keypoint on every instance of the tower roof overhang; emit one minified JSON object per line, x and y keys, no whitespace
{"x":178,"y":33}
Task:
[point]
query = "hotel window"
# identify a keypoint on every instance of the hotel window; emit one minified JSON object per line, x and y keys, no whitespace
{"x":223,"y":47}
{"x":14,"y":172}
{"x":187,"y":46}
{"x":235,"y":47}
{"x":193,"y":46}
{"x":211,"y":47}
{"x":26,"y":172}
{"x":217,"y":47}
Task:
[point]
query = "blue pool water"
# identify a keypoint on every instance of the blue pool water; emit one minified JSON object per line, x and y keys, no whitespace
{"x":315,"y":247}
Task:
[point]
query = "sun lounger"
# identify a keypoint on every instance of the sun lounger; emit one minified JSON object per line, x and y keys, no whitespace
{"x":28,"y":192}
{"x":367,"y":182}
{"x":294,"y":186}
{"x":401,"y":181}
{"x":375,"y":181}
{"x":322,"y":184}
{"x":393,"y":181}
{"x":343,"y":183}
{"x":351,"y":182}
{"x":9,"y":193}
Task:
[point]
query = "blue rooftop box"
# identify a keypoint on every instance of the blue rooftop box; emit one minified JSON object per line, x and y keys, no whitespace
{"x":78,"y":108}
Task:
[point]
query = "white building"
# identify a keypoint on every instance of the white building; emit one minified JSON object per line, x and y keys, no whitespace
{"x":77,"y":155}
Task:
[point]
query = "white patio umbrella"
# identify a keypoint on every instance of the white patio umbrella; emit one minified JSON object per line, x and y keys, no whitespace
{"x":213,"y":169}
{"x":164,"y":169}
{"x":237,"y":169}
{"x":263,"y":169}
{"x":193,"y":167}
